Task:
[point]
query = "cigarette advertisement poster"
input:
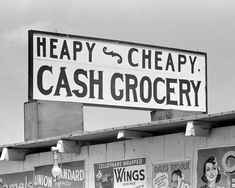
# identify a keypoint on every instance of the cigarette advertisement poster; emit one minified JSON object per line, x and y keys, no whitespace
{"x":73,"y":176}
{"x":17,"y":180}
{"x":129,"y":173}
{"x":106,"y":72}
{"x":175,"y":174}
{"x":216,"y":167}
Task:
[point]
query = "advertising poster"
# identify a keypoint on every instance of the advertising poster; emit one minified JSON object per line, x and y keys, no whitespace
{"x":129,"y":173}
{"x":216,"y":167}
{"x":175,"y":174}
{"x":17,"y":180}
{"x":73,"y":176}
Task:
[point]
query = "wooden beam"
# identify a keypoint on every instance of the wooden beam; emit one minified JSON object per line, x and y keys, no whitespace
{"x":69,"y":146}
{"x":198,"y":128}
{"x":128,"y":134}
{"x":13,"y":154}
{"x":158,"y":115}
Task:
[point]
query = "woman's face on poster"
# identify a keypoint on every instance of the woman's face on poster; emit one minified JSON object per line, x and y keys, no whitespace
{"x":211,"y":172}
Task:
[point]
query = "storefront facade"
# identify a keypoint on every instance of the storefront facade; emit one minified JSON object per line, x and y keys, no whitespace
{"x":181,"y":147}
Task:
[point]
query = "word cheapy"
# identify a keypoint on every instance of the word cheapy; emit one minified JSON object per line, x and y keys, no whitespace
{"x":83,"y":51}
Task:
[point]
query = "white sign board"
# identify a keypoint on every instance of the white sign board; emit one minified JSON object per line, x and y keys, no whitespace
{"x":106,"y":72}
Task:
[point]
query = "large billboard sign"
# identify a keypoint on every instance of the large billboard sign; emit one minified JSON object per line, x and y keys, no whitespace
{"x":115,"y":73}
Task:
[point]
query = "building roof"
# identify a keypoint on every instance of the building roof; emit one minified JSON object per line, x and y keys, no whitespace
{"x":154,"y":128}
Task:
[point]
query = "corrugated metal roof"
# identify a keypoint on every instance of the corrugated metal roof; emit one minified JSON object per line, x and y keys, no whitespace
{"x":110,"y":135}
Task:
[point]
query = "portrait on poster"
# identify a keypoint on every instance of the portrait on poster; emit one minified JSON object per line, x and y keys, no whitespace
{"x":216,"y":167}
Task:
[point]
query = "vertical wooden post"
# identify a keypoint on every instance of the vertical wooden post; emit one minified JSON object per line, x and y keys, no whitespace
{"x":44,"y":119}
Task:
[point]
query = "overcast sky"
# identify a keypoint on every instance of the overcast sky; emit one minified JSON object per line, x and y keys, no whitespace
{"x":200,"y":25}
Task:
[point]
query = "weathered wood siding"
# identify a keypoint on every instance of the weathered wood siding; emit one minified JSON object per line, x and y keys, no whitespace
{"x":155,"y":149}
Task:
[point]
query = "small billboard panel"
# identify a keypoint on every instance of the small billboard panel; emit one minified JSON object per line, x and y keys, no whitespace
{"x":129,"y":173}
{"x":115,"y":73}
{"x":17,"y":180}
{"x":175,"y":174}
{"x":73,"y":176}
